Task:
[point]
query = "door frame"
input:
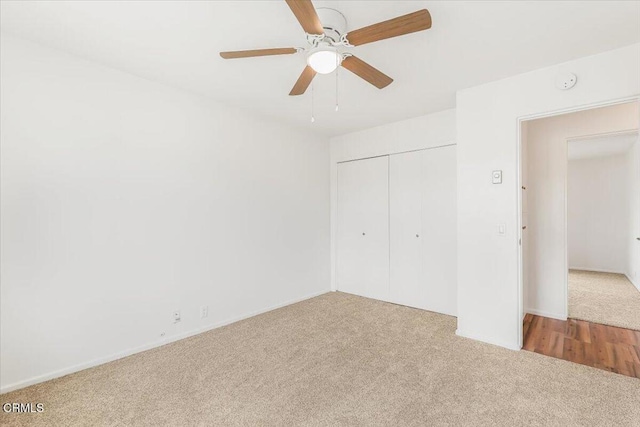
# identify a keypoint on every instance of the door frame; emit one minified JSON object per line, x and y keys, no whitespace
{"x":566,"y":204}
{"x":520,"y":120}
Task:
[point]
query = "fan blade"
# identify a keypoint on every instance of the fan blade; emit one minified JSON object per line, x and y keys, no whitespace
{"x":306,"y":15}
{"x":303,"y":81}
{"x":258,"y":52}
{"x":406,"y":24}
{"x":363,"y":70}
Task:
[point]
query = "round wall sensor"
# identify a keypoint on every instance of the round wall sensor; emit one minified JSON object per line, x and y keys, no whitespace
{"x":566,"y":81}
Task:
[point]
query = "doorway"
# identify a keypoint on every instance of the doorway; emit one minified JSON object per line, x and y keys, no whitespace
{"x":580,"y":217}
{"x":603,"y":212}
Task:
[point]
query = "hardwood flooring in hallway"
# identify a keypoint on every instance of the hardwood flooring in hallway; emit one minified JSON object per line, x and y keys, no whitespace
{"x":600,"y":346}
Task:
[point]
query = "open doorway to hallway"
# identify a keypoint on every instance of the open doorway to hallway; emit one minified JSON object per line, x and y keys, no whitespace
{"x":603,"y":219}
{"x":580,"y":175}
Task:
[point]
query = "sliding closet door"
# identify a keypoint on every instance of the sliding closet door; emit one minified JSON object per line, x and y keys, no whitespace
{"x":405,"y":209}
{"x":439,"y":227}
{"x":363,"y":228}
{"x":422,"y":195}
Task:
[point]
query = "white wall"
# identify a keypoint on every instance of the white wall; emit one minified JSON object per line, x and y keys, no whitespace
{"x":545,"y":239}
{"x":123,"y":200}
{"x":633,"y":195}
{"x":429,"y":131}
{"x":598,"y":214}
{"x":487,"y":139}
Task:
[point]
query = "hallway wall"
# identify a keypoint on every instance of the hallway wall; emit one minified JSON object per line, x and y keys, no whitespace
{"x":598,"y":213}
{"x":633,"y":252}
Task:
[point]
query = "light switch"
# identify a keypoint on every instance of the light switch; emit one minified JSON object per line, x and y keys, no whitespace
{"x":496,"y":177}
{"x":501,"y":229}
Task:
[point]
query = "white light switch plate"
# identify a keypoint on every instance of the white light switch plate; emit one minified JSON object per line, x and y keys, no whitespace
{"x":496,"y":177}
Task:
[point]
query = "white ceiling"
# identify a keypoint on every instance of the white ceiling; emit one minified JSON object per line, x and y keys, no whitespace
{"x":601,"y":146}
{"x":177,"y":43}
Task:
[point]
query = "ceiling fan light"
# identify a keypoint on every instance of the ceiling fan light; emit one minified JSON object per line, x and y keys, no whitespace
{"x":324,"y":61}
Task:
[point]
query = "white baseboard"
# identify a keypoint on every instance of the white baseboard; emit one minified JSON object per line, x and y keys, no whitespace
{"x":149,"y":346}
{"x":634,"y":283}
{"x":546,"y":314}
{"x":597,"y":270}
{"x":488,"y":340}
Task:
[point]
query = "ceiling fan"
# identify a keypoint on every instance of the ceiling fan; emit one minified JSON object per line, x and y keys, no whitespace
{"x":328,"y":39}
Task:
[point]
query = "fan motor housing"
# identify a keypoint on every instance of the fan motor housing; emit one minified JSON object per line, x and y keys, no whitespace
{"x":333,"y":22}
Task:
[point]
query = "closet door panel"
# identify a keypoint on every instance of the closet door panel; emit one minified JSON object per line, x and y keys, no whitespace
{"x":363,"y":228}
{"x":405,"y":208}
{"x":439,"y":228}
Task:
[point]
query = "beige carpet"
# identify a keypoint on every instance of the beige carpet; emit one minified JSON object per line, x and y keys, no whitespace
{"x":335,"y":360}
{"x":606,"y":298}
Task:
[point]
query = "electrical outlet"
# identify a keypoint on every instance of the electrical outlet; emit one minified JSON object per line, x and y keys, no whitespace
{"x":176,"y":316}
{"x":204,"y":311}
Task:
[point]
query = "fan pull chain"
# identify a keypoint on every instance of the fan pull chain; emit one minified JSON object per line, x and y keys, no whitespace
{"x":313,"y":119}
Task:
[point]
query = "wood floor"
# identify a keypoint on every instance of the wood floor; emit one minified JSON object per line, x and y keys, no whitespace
{"x":592,"y":344}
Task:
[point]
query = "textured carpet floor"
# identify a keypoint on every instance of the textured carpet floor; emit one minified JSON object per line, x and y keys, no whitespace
{"x":335,"y":360}
{"x":607,"y":298}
